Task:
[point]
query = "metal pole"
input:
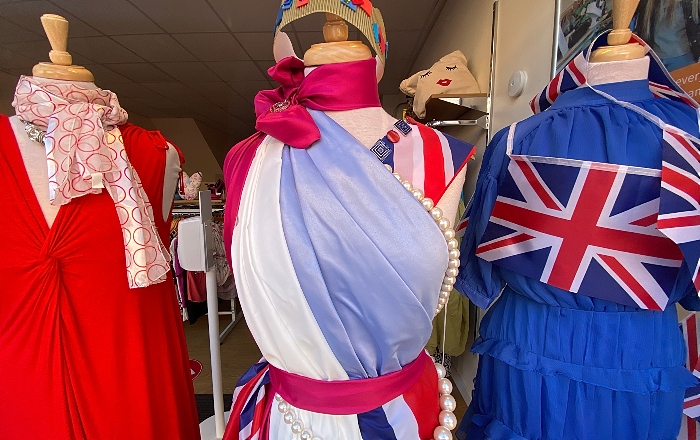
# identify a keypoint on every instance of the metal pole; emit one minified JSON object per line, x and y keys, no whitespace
{"x":205,"y":211}
{"x":215,"y":351}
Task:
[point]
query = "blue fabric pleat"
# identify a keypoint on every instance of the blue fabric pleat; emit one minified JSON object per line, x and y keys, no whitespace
{"x":337,"y":199}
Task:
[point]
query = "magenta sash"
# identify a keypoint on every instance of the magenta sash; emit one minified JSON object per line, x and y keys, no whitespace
{"x":346,"y":397}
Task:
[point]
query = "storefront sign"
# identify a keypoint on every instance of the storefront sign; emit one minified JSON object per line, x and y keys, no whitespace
{"x":689,"y":79}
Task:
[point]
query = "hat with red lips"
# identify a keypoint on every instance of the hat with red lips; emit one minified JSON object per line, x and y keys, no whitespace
{"x":449,"y":75}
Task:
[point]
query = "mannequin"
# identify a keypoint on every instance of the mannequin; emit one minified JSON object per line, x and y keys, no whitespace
{"x":337,"y":49}
{"x":619,"y":48}
{"x":88,"y":312}
{"x":61,"y":70}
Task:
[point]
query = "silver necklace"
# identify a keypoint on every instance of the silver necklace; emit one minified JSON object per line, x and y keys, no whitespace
{"x":35,"y":133}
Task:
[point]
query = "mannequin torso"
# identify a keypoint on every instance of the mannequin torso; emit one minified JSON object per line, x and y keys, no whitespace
{"x":370,"y":124}
{"x":34,"y":157}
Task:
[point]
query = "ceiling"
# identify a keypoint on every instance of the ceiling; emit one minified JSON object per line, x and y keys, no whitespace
{"x":204,"y":59}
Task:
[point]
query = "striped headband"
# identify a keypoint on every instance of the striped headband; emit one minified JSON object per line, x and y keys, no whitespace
{"x":360,"y":13}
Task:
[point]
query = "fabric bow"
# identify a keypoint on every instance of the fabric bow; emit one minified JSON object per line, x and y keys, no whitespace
{"x":281,"y":112}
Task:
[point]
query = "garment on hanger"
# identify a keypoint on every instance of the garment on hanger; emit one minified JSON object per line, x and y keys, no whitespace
{"x":556,"y":363}
{"x":107,"y":360}
{"x":337,"y":266}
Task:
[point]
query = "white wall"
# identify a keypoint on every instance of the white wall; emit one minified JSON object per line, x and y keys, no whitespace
{"x":184,"y":133}
{"x":524,"y":42}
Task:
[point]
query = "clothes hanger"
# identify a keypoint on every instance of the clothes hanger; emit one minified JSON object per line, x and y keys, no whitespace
{"x":61,"y":66}
{"x":619,"y":48}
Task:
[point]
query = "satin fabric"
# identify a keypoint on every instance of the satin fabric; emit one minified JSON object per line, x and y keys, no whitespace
{"x":83,"y":355}
{"x":339,"y":202}
{"x":332,"y":87}
{"x":347,"y":397}
{"x":555,"y":365}
{"x":335,"y":202}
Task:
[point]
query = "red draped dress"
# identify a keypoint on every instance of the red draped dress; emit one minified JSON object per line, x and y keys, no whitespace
{"x":83,"y":356}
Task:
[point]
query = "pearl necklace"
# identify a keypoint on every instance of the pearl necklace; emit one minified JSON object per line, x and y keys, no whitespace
{"x":448,"y":404}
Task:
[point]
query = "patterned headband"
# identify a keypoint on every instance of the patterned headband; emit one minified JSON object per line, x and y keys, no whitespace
{"x":360,"y":13}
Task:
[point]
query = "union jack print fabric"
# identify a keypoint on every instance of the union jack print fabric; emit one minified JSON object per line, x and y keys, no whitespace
{"x":584,"y":227}
{"x":574,"y":75}
{"x":679,"y":212}
{"x":691,"y":403}
{"x":249,"y":404}
{"x":427,"y":158}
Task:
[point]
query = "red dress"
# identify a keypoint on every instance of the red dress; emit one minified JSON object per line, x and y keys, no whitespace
{"x":82,"y":356}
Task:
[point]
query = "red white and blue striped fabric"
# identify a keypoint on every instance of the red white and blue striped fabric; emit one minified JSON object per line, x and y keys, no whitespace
{"x":691,"y":404}
{"x":574,"y":76}
{"x":249,"y":404}
{"x":427,"y":158}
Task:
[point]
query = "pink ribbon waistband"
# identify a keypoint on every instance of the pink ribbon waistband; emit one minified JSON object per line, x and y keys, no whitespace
{"x":346,"y":397}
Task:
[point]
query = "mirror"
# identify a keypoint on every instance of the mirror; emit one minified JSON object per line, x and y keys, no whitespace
{"x":578,"y":23}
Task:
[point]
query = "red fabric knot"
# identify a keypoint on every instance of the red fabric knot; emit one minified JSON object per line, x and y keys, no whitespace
{"x":282,"y":112}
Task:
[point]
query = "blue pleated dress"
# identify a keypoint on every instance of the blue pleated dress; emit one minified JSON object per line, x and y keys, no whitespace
{"x":558,"y":365}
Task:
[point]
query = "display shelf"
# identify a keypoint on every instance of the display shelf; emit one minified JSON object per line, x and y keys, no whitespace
{"x":458,"y":110}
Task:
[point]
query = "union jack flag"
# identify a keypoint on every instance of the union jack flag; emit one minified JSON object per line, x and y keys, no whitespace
{"x":250,"y":402}
{"x":584,"y":227}
{"x":691,"y":403}
{"x":427,"y":158}
{"x":679,"y":212}
{"x":574,"y":74}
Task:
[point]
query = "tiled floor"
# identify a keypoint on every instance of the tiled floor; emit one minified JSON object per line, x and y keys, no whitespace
{"x":238,"y":353}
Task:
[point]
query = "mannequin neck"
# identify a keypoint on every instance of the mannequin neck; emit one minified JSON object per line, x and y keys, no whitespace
{"x":618,"y":71}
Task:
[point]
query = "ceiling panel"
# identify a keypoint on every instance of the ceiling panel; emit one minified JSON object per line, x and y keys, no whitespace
{"x":133,"y":90}
{"x":24,"y":13}
{"x":407,"y":15}
{"x":236,"y":70}
{"x":257,"y":44}
{"x":247,"y":16}
{"x":188,"y":71}
{"x":105,"y":75}
{"x":248,"y":89}
{"x":141,"y":72}
{"x":11,"y":33}
{"x":113,"y":17}
{"x":102,"y":50}
{"x":155,"y":48}
{"x":213,"y":47}
{"x":34,"y":50}
{"x":15,"y":63}
{"x":171,"y":89}
{"x":190,"y":58}
{"x":188,"y":16}
{"x":158,"y":102}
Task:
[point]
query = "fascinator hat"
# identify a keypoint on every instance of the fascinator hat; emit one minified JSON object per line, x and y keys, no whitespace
{"x":360,"y":13}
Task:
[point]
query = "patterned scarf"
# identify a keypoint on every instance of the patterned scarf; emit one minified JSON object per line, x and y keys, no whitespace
{"x":85,"y":154}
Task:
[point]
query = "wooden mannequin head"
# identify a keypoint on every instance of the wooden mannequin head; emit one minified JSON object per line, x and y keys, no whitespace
{"x":619,"y":48}
{"x":336,"y":49}
{"x":60,"y":67}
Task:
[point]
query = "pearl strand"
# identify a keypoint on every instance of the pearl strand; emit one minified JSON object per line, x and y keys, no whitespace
{"x":448,"y":404}
{"x":444,"y":224}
